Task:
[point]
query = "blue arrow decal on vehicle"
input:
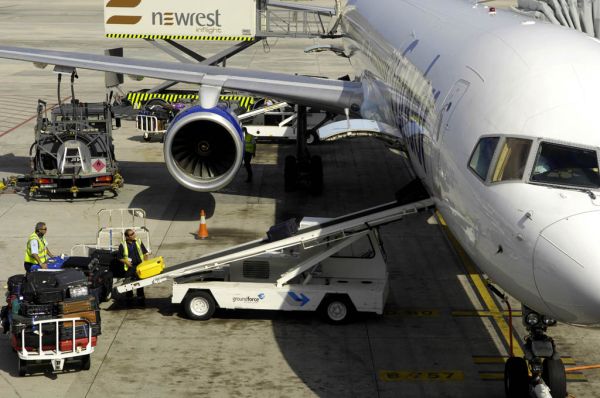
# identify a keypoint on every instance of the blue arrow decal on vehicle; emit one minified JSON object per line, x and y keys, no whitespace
{"x":302,"y":299}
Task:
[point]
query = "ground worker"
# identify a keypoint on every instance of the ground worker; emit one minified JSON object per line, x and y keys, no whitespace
{"x":36,"y":250}
{"x":249,"y":152}
{"x":131,"y":253}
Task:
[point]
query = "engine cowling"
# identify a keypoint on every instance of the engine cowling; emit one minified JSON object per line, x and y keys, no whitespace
{"x":204,"y":148}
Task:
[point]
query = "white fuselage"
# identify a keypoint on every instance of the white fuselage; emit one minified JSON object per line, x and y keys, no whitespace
{"x":447,"y":73}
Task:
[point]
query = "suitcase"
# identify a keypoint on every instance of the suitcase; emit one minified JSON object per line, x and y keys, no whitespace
{"x":80,"y":331}
{"x":78,"y":304}
{"x":67,"y":345}
{"x":49,"y":295}
{"x":31,"y":309}
{"x":109,"y":258}
{"x":151,"y":267}
{"x":71,"y":278}
{"x":15,"y":284}
{"x":55,"y":262}
{"x":282,"y":230}
{"x":82,"y":263}
{"x":92,"y":315}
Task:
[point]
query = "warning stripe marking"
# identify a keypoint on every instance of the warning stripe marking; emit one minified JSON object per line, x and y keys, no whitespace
{"x":171,"y":37}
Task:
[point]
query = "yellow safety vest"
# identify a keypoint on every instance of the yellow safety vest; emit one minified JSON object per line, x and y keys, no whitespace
{"x":138,"y":245}
{"x":250,"y":144}
{"x":42,"y":251}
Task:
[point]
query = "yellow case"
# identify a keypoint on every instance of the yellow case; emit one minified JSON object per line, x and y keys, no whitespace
{"x":150,"y":267}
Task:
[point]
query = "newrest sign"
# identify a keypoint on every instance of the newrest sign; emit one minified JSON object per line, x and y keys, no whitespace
{"x":181,"y":19}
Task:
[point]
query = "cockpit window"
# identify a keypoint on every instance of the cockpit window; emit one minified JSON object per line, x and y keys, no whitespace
{"x":512,"y":160}
{"x":566,"y":165}
{"x":482,"y":156}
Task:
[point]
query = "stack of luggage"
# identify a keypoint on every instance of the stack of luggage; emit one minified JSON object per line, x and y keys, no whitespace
{"x":45,"y":295}
{"x":100,"y":276}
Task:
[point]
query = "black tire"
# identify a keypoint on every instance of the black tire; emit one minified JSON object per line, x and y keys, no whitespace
{"x":516,"y":378}
{"x":554,"y":376}
{"x":147,"y":137}
{"x":312,"y":138}
{"x":316,"y":175}
{"x":199,"y":305}
{"x":21,"y":367}
{"x":337,"y":309}
{"x":86,"y":362}
{"x":157,"y":101}
{"x":290,"y":173}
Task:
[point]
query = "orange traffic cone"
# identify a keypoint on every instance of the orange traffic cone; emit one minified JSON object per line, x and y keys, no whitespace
{"x":202,"y":230}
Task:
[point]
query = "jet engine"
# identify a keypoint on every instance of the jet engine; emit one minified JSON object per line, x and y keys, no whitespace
{"x":204,"y":148}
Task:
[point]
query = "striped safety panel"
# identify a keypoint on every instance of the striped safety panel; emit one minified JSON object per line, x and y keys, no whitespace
{"x":178,"y":37}
{"x":137,"y":98}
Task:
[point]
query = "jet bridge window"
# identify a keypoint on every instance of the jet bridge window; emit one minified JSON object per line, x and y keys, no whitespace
{"x":566,"y":165}
{"x":482,"y":156}
{"x":512,"y":160}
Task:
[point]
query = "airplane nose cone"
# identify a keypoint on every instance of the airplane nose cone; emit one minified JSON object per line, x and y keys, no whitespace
{"x":566,"y":266}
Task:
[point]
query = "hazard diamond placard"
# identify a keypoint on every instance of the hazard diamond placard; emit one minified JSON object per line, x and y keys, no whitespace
{"x":99,"y":165}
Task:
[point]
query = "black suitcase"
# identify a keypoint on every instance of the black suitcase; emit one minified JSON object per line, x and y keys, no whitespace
{"x":70,"y":278}
{"x":37,"y":281}
{"x":15,"y":284}
{"x":282,"y":230}
{"x":82,"y":263}
{"x":110,"y":259}
{"x":31,"y":309}
{"x":81,"y":331}
{"x":49,"y":295}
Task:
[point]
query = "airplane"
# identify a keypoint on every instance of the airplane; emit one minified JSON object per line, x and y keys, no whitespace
{"x":494,"y":112}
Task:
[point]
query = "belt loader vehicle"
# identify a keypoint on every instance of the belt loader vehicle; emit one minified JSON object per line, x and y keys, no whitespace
{"x":335,"y":266}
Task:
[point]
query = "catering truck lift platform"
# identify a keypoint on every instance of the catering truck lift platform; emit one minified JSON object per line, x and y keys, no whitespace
{"x":334,"y":266}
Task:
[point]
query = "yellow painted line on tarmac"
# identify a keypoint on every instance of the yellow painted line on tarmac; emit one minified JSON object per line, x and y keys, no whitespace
{"x":484,"y":313}
{"x":481,"y":288}
{"x":413,"y":312}
{"x":424,"y":375}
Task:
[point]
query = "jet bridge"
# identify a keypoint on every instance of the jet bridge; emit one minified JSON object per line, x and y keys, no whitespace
{"x":337,"y":231}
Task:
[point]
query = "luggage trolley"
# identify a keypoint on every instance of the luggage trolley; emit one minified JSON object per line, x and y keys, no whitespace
{"x":58,"y":352}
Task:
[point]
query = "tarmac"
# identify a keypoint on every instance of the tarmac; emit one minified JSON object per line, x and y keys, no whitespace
{"x":441,"y":335}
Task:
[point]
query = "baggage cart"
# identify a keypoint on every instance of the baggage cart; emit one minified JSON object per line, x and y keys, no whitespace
{"x":71,"y":350}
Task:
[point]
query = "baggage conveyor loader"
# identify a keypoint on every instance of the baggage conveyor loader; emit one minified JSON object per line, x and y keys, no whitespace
{"x":336,"y":266}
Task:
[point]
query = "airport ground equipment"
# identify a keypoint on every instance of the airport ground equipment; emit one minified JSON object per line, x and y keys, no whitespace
{"x":72,"y":151}
{"x":52,"y":319}
{"x":58,"y":353}
{"x":335,"y":266}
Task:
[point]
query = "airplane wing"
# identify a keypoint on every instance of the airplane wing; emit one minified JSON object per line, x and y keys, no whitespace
{"x":333,"y":95}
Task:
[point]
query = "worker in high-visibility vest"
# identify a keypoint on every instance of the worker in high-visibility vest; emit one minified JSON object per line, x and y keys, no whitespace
{"x":249,"y":152}
{"x":131,"y":253}
{"x":37,"y":252}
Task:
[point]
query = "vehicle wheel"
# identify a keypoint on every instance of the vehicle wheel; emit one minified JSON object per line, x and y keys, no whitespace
{"x":554,"y":376}
{"x":147,"y":137}
{"x":312,"y":138}
{"x":86,"y":362}
{"x":21,"y":367}
{"x":316,"y":175}
{"x":290,"y":173}
{"x":516,"y":378}
{"x":157,"y":101}
{"x":199,"y":306}
{"x":337,"y":309}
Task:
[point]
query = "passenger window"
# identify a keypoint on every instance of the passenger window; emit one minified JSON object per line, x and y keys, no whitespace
{"x":566,"y":165}
{"x":482,"y":156}
{"x":512,"y":160}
